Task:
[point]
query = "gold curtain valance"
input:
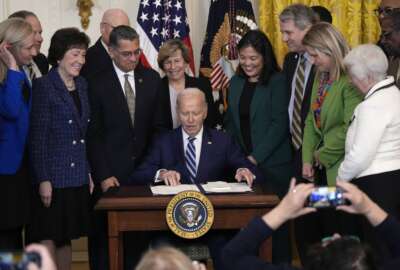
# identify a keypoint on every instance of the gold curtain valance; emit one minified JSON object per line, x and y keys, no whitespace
{"x":354,"y":18}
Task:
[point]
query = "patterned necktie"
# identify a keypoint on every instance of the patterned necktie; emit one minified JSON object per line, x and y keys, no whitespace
{"x":31,"y":72}
{"x":297,"y":133}
{"x":190,"y":159}
{"x":130,"y":98}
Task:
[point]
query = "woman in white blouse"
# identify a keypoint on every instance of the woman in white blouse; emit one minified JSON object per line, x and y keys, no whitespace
{"x":372,"y":154}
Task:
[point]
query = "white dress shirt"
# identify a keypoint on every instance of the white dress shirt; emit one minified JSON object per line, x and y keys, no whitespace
{"x":185,"y":139}
{"x":173,"y":96}
{"x":373,"y":137}
{"x":121,"y":78}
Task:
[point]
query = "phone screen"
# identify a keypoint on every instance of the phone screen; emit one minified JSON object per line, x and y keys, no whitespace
{"x":8,"y":260}
{"x":323,"y":197}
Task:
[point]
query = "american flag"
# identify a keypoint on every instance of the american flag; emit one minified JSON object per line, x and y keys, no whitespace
{"x":158,"y":21}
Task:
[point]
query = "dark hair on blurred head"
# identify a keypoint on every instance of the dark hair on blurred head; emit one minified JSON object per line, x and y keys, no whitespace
{"x":345,"y":253}
{"x":394,"y":16}
{"x":124,"y":32}
{"x":322,"y":13}
{"x":261,"y":44}
{"x":22,"y":14}
{"x":65,"y":39}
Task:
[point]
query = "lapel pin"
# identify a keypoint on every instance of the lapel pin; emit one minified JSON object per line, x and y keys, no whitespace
{"x":209,"y":142}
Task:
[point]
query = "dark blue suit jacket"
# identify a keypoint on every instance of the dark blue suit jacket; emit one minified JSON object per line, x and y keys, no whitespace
{"x":57,"y":137}
{"x":14,"y":120}
{"x":220,"y":158}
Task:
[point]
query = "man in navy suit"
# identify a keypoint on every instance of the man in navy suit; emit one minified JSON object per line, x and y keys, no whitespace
{"x":213,"y":156}
{"x":215,"y":153}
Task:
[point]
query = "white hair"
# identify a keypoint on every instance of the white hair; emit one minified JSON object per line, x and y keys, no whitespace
{"x":191,"y":92}
{"x":366,"y":61}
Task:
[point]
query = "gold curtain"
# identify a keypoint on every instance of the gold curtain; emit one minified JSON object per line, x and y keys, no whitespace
{"x":354,"y":18}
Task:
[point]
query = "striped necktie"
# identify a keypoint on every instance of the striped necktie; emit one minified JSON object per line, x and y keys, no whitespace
{"x":297,"y":132}
{"x":190,"y":159}
{"x":130,"y":98}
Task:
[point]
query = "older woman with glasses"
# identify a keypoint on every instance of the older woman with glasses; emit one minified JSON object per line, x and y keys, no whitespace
{"x":372,"y":159}
{"x":173,"y":59}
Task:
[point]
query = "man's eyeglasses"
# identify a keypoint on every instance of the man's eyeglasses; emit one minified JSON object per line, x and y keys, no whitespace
{"x":385,"y":11}
{"x":126,"y":54}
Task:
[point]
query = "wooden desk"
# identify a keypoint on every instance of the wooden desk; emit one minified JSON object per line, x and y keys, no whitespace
{"x":136,"y":209}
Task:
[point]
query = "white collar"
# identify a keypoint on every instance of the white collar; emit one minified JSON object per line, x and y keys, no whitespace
{"x":121,"y":73}
{"x":198,"y":135}
{"x":387,"y":81}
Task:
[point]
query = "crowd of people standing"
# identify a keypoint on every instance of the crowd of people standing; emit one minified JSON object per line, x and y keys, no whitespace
{"x":69,"y":134}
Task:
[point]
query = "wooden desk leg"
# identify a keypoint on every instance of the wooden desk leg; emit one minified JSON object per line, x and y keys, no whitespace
{"x":266,"y":250}
{"x":115,"y":243}
{"x":113,"y":246}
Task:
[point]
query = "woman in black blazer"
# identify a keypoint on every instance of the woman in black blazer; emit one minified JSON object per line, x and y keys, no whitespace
{"x":173,"y":59}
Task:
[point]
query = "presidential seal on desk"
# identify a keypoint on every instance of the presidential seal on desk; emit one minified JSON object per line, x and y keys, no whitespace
{"x":190,"y":214}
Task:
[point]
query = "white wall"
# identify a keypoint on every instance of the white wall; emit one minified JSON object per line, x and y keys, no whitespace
{"x":55,"y":14}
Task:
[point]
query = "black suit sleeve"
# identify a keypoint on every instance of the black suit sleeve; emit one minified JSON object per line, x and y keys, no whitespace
{"x":161,"y":122}
{"x":42,"y":63}
{"x":242,"y":251}
{"x":212,"y":114}
{"x":95,"y":138}
{"x":237,"y":159}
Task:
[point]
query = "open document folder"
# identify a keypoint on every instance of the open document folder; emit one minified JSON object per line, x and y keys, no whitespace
{"x":210,"y":187}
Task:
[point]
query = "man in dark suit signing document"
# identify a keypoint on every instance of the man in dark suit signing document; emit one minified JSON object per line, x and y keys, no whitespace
{"x":193,"y":153}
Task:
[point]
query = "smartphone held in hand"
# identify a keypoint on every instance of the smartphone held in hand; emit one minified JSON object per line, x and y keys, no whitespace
{"x":324,"y":196}
{"x":18,"y":260}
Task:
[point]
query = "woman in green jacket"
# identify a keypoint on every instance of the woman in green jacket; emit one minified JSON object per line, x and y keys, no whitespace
{"x":257,"y":118}
{"x":333,"y":100}
{"x":257,"y":110}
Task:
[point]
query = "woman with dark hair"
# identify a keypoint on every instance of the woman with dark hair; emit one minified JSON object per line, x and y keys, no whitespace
{"x":16,"y":50}
{"x":60,"y":115}
{"x":257,"y":115}
{"x":257,"y":110}
{"x":173,"y":59}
